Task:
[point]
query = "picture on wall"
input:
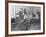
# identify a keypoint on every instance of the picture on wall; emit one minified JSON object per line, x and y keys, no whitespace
{"x":25,"y":18}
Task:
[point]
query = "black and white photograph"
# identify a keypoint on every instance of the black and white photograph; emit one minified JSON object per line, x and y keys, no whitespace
{"x":25,"y":18}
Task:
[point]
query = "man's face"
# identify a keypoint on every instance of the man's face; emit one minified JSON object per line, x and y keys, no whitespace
{"x":21,"y":9}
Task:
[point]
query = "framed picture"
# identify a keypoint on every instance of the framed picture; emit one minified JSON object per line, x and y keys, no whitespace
{"x":24,"y":18}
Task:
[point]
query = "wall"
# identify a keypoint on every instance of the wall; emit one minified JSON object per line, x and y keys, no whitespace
{"x":2,"y":19}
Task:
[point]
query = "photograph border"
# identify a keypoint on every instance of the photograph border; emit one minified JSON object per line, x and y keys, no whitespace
{"x":6,"y":18}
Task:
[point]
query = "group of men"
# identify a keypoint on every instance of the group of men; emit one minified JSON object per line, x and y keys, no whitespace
{"x":22,"y":21}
